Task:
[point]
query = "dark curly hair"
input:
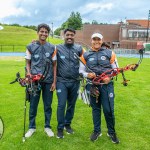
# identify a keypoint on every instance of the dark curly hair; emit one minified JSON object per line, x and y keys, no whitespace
{"x":106,"y":45}
{"x":69,"y":29}
{"x":43,"y":25}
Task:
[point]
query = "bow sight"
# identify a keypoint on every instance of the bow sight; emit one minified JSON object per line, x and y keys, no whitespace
{"x":30,"y":82}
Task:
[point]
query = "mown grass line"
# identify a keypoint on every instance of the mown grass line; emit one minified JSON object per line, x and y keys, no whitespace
{"x":131,"y":111}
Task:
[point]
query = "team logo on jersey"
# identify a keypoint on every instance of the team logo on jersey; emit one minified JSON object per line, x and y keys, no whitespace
{"x":111,"y":94}
{"x":62,"y":57}
{"x":47,"y":54}
{"x":36,"y":56}
{"x":91,"y":59}
{"x":103,"y":58}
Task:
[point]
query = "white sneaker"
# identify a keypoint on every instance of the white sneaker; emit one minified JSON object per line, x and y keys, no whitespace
{"x":30,"y":132}
{"x":49,"y":132}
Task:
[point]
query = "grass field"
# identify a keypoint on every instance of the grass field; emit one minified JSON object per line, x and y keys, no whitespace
{"x":19,"y":37}
{"x":132,"y":109}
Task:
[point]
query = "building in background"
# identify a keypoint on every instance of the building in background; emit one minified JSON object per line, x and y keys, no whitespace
{"x":134,"y":32}
{"x":126,"y":35}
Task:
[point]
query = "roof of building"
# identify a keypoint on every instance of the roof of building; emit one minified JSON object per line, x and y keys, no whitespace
{"x":142,"y":23}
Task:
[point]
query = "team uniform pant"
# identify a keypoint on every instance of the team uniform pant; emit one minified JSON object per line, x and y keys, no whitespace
{"x":106,"y":100}
{"x":47,"y":96}
{"x":67,"y":93}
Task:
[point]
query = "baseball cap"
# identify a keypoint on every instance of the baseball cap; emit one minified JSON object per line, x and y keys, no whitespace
{"x":96,"y":35}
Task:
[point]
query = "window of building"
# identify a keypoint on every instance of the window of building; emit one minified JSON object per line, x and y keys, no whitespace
{"x":138,"y":33}
{"x":130,"y":34}
{"x":134,"y":34}
{"x":141,"y":34}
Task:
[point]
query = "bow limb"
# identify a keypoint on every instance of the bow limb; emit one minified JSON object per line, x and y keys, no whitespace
{"x":133,"y":67}
{"x":114,"y":72}
{"x":31,"y":79}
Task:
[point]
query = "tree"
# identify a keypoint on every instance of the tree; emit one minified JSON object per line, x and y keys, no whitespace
{"x":74,"y":21}
{"x":31,"y":27}
{"x":57,"y":31}
{"x":15,"y":24}
{"x":94,"y":22}
{"x":87,"y":23}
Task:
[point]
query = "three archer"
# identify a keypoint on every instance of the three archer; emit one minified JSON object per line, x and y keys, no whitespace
{"x":38,"y":52}
{"x":98,"y":60}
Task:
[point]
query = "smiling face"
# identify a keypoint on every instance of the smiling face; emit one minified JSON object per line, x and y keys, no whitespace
{"x":96,"y":43}
{"x":43,"y":34}
{"x":69,"y":37}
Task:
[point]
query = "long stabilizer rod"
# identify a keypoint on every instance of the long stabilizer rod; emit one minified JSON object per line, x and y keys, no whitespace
{"x":76,"y":56}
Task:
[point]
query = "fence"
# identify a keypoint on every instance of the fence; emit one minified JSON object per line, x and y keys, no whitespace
{"x":126,"y":51}
{"x":12,"y":48}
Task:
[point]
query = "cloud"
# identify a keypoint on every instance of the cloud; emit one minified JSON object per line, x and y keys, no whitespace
{"x":8,"y":8}
{"x":113,"y":11}
{"x":95,"y":11}
{"x":33,"y":12}
{"x":95,"y":7}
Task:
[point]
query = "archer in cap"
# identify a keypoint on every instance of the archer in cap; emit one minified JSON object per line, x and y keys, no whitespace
{"x":97,"y":61}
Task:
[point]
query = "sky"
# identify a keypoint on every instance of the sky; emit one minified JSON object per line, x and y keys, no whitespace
{"x":34,"y":12}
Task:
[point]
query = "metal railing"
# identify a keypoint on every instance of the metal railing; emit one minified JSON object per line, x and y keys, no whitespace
{"x":12,"y":48}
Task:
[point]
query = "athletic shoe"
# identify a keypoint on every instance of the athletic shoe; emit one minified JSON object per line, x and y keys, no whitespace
{"x":68,"y":129}
{"x":60,"y":134}
{"x":30,"y":133}
{"x":94,"y":136}
{"x":49,"y":132}
{"x":113,"y":137}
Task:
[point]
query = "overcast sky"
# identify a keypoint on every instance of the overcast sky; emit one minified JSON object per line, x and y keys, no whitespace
{"x":33,"y":12}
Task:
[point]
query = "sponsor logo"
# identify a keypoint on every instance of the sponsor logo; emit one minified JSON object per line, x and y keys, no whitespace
{"x":59,"y":91}
{"x":36,"y":56}
{"x":62,"y":57}
{"x":91,"y":59}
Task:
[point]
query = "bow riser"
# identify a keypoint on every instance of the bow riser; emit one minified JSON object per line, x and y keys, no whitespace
{"x":114,"y":72}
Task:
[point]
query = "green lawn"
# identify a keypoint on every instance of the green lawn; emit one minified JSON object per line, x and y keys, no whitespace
{"x":132,"y":109}
{"x":16,"y":38}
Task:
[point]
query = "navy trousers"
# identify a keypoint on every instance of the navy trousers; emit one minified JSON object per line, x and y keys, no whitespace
{"x":47,"y":96}
{"x":67,"y":93}
{"x":106,"y":100}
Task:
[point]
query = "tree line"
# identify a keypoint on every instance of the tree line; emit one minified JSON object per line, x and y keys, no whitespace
{"x":18,"y":25}
{"x":74,"y":21}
